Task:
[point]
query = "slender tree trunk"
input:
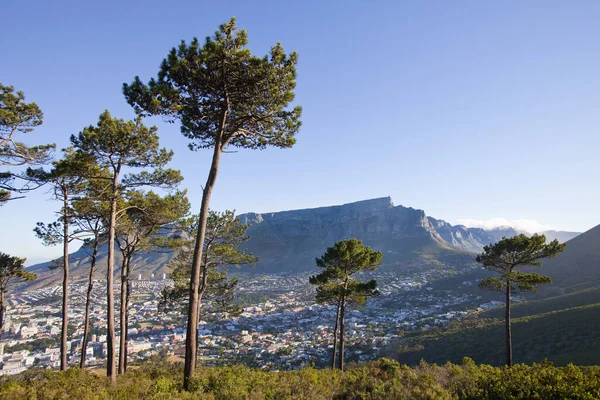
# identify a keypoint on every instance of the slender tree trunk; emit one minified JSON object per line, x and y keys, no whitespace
{"x":122,"y":316}
{"x":127,"y":300}
{"x":110,"y":297}
{"x":191,"y":337}
{"x":65,"y":299}
{"x":88,"y":302}
{"x":335,"y":332}
{"x":342,"y":347}
{"x":200,"y":296}
{"x":1,"y":311}
{"x":507,"y":330}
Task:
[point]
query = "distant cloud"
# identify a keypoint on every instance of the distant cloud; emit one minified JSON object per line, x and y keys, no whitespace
{"x":527,"y":225}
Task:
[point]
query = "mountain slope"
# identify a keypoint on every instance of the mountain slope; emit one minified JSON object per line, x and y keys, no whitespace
{"x":291,"y":240}
{"x":579,"y":264}
{"x":564,"y":327}
{"x":146,"y":264}
{"x":561,"y":236}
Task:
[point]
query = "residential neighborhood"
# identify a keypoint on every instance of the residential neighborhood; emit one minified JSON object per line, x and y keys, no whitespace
{"x":280,"y":326}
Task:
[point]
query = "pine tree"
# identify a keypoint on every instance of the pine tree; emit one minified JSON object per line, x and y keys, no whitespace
{"x":146,"y":214}
{"x":223,"y":97}
{"x":224,"y":234}
{"x":335,"y":284}
{"x":507,"y":258}
{"x":18,"y":117}
{"x":12,"y":270}
{"x":117,"y":145}
{"x":67,"y":181}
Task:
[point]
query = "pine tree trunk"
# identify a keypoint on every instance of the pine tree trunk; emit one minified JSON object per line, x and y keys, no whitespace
{"x":342,"y":327}
{"x":200,"y":296}
{"x":65,"y":299}
{"x":88,"y":302}
{"x":110,"y":298}
{"x":335,"y":334}
{"x":127,"y":301}
{"x":122,"y":316}
{"x":1,"y":312}
{"x":507,"y":329}
{"x":191,"y":338}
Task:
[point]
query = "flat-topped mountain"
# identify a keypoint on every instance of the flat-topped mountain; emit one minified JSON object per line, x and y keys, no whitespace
{"x":291,"y":240}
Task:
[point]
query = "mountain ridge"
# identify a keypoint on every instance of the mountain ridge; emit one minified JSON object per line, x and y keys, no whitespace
{"x":289,"y":241}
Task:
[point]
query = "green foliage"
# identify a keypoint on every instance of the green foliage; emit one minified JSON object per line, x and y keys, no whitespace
{"x":510,"y":254}
{"x":224,"y":235}
{"x":17,"y":116}
{"x":222,"y":94}
{"x":68,"y":182}
{"x":338,"y":264}
{"x":116,"y":143}
{"x":144,"y":214}
{"x":382,"y":379}
{"x":13,"y":269}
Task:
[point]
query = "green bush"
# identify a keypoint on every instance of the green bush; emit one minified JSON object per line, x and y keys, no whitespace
{"x":381,"y":379}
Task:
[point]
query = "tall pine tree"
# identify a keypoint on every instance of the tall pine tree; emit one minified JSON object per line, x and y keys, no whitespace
{"x":507,"y":258}
{"x":223,"y":96}
{"x":336,"y":284}
{"x":119,"y":146}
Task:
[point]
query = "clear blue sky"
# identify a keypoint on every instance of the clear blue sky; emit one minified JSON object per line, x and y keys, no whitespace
{"x":467,"y":109}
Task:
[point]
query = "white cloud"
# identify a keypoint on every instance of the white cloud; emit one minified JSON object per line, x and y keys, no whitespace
{"x":522,"y":224}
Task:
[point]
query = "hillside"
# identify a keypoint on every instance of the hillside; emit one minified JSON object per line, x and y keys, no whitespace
{"x":579,"y":265}
{"x":562,"y":336}
{"x":561,"y":323}
{"x":146,"y":265}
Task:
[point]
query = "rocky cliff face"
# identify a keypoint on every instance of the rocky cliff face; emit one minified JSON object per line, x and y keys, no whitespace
{"x":291,"y":240}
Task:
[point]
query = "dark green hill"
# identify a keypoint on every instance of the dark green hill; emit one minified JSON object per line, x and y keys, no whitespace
{"x":562,"y":323}
{"x":565,"y":336}
{"x":579,"y":265}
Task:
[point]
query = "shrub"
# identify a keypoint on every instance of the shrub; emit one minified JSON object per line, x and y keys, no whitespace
{"x":381,"y":379}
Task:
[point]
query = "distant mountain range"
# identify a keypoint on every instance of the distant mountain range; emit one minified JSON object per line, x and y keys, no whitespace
{"x":146,"y":265}
{"x":289,"y":241}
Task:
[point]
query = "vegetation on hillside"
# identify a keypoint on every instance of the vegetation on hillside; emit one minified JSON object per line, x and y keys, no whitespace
{"x":562,"y":329}
{"x":382,"y":379}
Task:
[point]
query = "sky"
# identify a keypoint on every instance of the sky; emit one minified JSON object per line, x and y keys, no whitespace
{"x":478,"y":112}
